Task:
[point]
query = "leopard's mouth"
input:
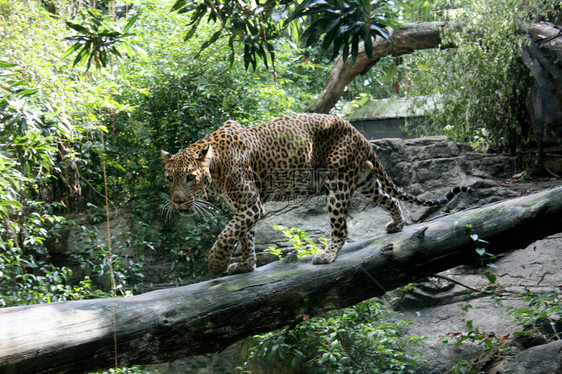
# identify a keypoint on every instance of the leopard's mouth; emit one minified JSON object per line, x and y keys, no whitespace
{"x":185,"y":212}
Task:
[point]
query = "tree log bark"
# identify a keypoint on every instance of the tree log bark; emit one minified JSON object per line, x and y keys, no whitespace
{"x":412,"y":36}
{"x":77,"y":336}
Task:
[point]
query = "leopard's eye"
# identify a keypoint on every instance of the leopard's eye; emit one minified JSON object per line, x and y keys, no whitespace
{"x":189,"y":178}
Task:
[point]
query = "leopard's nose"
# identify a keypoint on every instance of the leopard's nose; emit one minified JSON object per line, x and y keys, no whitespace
{"x":178,"y":201}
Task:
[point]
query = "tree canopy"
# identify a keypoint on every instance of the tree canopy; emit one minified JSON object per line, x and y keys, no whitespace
{"x":332,"y":25}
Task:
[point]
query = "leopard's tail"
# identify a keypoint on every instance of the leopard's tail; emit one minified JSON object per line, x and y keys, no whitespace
{"x":390,"y":188}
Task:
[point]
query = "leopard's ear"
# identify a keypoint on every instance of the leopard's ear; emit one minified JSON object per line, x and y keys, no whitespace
{"x":207,"y":155}
{"x":166,"y":156}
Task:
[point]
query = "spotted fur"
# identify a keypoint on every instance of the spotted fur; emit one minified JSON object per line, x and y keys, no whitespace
{"x":295,"y":155}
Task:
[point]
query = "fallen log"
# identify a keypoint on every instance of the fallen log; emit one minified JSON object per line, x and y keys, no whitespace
{"x":78,"y":336}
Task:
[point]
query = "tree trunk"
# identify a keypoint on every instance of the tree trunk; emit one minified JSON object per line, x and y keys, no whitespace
{"x":412,"y":36}
{"x":545,"y":98}
{"x":77,"y":336}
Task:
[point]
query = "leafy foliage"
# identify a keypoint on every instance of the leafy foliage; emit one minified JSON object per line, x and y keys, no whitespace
{"x":132,"y":370}
{"x":483,"y":104}
{"x":97,"y":39}
{"x":51,"y":148}
{"x":352,"y":340}
{"x":542,"y":316}
{"x":257,"y":25}
{"x":343,"y":25}
{"x":252,"y":24}
{"x":301,"y":242}
{"x":31,"y":132}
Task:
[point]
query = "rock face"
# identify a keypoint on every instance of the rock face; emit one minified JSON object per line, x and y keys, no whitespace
{"x":438,"y":310}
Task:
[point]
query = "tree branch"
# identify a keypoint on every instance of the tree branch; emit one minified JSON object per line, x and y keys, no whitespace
{"x":77,"y":336}
{"x":412,"y":36}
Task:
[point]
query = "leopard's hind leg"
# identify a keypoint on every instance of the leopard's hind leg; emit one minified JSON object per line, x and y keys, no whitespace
{"x":339,"y":197}
{"x":369,"y":186}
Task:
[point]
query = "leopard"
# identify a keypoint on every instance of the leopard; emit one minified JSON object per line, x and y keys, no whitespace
{"x":296,"y":155}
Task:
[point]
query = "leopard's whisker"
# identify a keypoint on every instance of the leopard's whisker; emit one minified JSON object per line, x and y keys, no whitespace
{"x":197,"y":210}
{"x":205,"y":206}
{"x":171,"y":213}
{"x":168,"y":211}
{"x":206,"y":203}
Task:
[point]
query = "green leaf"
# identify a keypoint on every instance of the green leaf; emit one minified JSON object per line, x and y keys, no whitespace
{"x":178,"y":5}
{"x":130,"y":23}
{"x":12,"y":203}
{"x":71,"y":50}
{"x":355,"y":46}
{"x":128,"y":49}
{"x":368,"y":43}
{"x":6,"y":65}
{"x":116,"y":52}
{"x":345,"y":51}
{"x":211,"y":40}
{"x":103,"y":57}
{"x":28,"y":92}
{"x":247,"y":57}
{"x":192,"y":31}
{"x":77,"y":27}
{"x":82,"y":54}
{"x":491,"y":278}
{"x":382,"y":32}
{"x":231,"y":54}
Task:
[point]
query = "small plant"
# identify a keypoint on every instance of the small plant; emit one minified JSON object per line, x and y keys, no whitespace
{"x":492,"y":343}
{"x":542,"y":316}
{"x":486,"y":258}
{"x":300,"y":241}
{"x":132,"y":370}
{"x":98,"y":38}
{"x":352,"y":340}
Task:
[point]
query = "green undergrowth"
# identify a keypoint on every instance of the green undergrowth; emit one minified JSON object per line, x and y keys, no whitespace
{"x":539,"y":318}
{"x":359,"y":339}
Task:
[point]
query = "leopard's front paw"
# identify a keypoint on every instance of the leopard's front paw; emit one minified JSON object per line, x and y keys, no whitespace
{"x":394,"y":226}
{"x":323,"y":258}
{"x":239,"y":267}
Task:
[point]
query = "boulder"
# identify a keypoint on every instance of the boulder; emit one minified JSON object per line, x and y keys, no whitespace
{"x":542,"y":359}
{"x":440,"y":307}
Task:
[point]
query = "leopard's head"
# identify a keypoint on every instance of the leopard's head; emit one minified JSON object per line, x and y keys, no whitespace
{"x":188,"y":176}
